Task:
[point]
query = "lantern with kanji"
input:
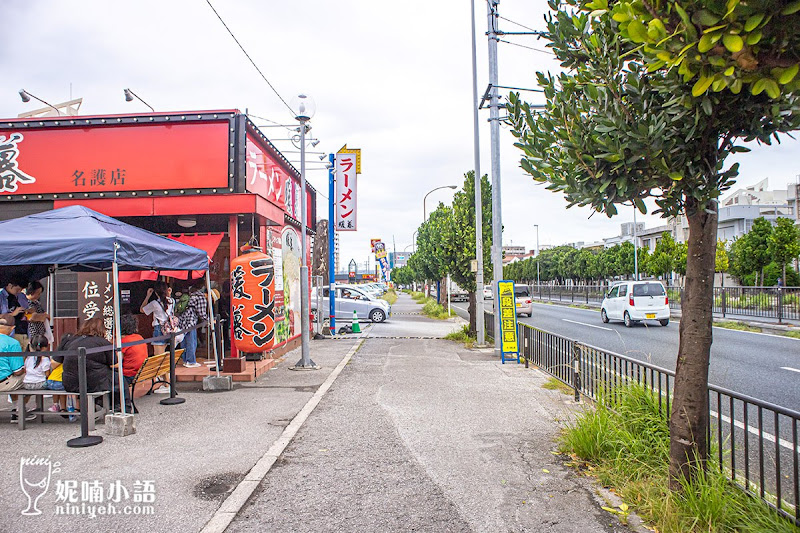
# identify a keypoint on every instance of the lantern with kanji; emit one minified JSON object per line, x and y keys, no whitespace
{"x":253,"y":301}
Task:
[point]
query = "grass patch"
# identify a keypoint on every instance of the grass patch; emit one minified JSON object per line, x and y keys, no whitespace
{"x":556,"y":384}
{"x":740,"y":326}
{"x":417,"y":297}
{"x":433,"y":310}
{"x":462,"y":336}
{"x":390,"y":296}
{"x":625,"y":444}
{"x":792,"y":334}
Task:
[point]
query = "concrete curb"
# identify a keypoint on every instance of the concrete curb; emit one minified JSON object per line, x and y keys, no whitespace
{"x":223,"y":517}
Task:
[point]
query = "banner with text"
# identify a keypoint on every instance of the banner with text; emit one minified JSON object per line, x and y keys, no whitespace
{"x":346,"y":205}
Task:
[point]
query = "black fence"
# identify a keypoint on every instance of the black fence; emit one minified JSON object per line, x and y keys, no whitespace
{"x":756,"y":442}
{"x":764,"y":302}
{"x":85,"y":439}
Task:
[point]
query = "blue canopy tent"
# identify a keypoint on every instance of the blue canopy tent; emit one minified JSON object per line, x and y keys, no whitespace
{"x":77,"y":238}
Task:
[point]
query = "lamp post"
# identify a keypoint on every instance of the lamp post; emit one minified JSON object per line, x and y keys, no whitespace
{"x":304,"y":108}
{"x":537,"y":255}
{"x":130,"y":96}
{"x":26,"y":97}
{"x":424,"y":210}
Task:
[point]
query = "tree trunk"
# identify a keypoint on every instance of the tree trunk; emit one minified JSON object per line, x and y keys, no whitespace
{"x":688,"y":424}
{"x":473,"y":309}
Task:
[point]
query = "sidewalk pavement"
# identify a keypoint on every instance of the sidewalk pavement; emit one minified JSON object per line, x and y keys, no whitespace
{"x":195,"y":452}
{"x":425,"y":435}
{"x":414,"y":434}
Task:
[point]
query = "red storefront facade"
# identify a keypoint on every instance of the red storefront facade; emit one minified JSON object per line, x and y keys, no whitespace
{"x":189,"y":175}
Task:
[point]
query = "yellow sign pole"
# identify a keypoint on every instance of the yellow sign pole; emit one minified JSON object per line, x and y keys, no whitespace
{"x":508,"y":320}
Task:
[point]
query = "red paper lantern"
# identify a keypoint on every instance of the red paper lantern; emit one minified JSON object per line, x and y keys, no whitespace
{"x":253,"y":302}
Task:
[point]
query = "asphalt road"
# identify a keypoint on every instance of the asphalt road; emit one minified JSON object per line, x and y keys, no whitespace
{"x":764,"y":366}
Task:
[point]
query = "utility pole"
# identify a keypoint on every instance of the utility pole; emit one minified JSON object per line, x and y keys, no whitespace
{"x":494,"y":129}
{"x":479,"y":313}
{"x":537,"y":257}
{"x":635,"y":248}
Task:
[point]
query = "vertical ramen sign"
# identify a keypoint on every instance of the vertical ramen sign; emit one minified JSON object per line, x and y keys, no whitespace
{"x":348,"y":165}
{"x":253,"y":302}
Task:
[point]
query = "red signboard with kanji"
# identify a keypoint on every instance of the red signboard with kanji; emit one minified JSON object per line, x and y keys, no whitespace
{"x":113,"y":158}
{"x":265,"y":176}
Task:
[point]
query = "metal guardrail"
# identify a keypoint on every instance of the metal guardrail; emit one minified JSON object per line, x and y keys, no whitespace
{"x":765,"y":302}
{"x":756,"y":442}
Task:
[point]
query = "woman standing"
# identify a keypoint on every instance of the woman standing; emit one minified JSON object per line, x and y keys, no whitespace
{"x":36,"y":314}
{"x":162,"y":307}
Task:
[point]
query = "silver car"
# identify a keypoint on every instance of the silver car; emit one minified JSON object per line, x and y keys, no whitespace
{"x":351,"y":298}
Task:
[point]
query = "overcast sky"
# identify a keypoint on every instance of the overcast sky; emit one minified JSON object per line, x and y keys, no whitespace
{"x":394,"y":79}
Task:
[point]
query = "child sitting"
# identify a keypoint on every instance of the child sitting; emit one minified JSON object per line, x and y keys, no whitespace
{"x":54,"y":383}
{"x":37,"y":367}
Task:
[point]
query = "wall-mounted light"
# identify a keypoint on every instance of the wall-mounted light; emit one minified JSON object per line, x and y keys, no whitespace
{"x":187,"y":222}
{"x":26,"y":97}
{"x":130,"y":96}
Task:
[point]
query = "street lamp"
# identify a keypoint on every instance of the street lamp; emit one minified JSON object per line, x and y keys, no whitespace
{"x":130,"y":96}
{"x":304,"y":108}
{"x":537,"y":254}
{"x":26,"y":97}
{"x":424,"y":210}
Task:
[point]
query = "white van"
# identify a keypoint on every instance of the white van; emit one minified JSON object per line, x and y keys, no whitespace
{"x":635,"y":301}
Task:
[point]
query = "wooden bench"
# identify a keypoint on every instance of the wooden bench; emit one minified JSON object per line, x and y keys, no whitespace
{"x":153,"y":368}
{"x":91,"y":410}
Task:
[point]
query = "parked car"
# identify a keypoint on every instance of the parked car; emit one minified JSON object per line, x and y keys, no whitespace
{"x":522,"y":298}
{"x":487,"y":292}
{"x":635,"y":301}
{"x":351,"y":298}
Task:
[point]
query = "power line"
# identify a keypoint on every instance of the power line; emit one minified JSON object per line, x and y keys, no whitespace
{"x":528,"y":47}
{"x":270,"y":121}
{"x":518,"y":24}
{"x":250,"y":58}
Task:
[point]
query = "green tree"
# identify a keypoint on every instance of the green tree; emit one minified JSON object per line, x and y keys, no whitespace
{"x":662,"y":262}
{"x":758,"y":254}
{"x":431,"y":262}
{"x":403,"y":275}
{"x":784,"y":243}
{"x":721,"y":261}
{"x":459,"y":239}
{"x":652,"y":99}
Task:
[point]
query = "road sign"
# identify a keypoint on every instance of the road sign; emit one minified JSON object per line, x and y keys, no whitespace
{"x":508,"y":320}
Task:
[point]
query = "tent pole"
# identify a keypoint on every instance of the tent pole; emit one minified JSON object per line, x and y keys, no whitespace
{"x":212,"y":319}
{"x":51,"y":301}
{"x":118,"y":332}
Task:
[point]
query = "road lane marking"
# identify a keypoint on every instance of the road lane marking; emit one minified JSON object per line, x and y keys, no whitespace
{"x":758,"y":333}
{"x":585,"y":324}
{"x":790,"y":368}
{"x":566,"y":305}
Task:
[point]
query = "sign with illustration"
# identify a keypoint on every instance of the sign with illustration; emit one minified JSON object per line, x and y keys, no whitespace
{"x":508,"y":320}
{"x":290,"y":248}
